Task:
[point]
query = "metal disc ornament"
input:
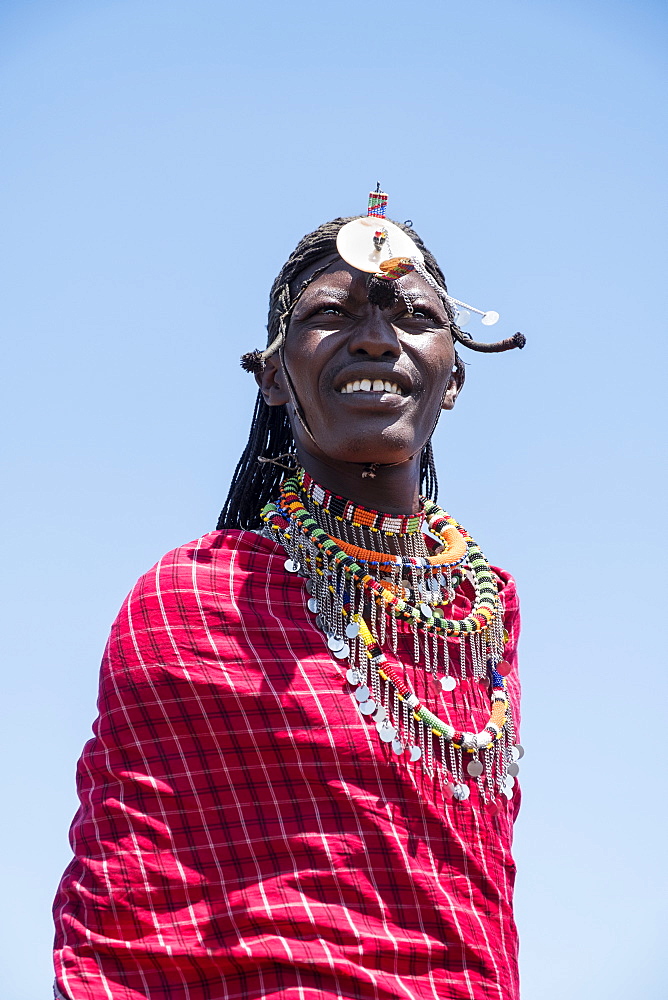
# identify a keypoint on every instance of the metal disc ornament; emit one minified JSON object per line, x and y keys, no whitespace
{"x":355,"y":244}
{"x":461,"y":792}
{"x":352,"y":676}
{"x":335,"y":644}
{"x":362,"y":693}
{"x":475,"y":768}
{"x":513,"y":769}
{"x":291,"y":565}
{"x":517,"y":752}
{"x":448,"y":683}
{"x":381,"y":713}
{"x":312,"y":605}
{"x":386,"y":731}
{"x":416,"y":752}
{"x":342,"y":653}
{"x":368,"y":707}
{"x":352,"y":630}
{"x":397,"y":747}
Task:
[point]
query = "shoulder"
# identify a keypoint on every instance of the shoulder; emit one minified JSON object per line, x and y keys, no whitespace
{"x":507,"y":590}
{"x":216,"y":555}
{"x":188,"y":584}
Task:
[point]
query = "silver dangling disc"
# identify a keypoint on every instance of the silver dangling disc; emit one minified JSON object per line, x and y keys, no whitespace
{"x":342,"y":653}
{"x":475,"y":768}
{"x":362,"y":693}
{"x":381,"y":713}
{"x":352,"y":676}
{"x":309,"y":586}
{"x":292,"y":565}
{"x":397,"y":747}
{"x":312,"y":605}
{"x":461,"y":792}
{"x":352,"y":630}
{"x":368,"y":707}
{"x":517,"y":752}
{"x":513,"y":769}
{"x":448,"y":683}
{"x":509,"y":782}
{"x":425,"y":611}
{"x":321,"y":623}
{"x":416,"y":752}
{"x":386,"y":731}
{"x":508,"y":792}
{"x":335,"y":644}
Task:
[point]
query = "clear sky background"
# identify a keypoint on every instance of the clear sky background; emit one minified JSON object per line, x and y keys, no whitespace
{"x":159,"y":162}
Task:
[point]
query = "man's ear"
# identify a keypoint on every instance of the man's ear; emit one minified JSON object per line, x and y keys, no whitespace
{"x":452,"y":391}
{"x":272,"y":382}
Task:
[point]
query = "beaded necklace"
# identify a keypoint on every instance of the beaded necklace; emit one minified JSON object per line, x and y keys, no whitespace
{"x":360,"y":594}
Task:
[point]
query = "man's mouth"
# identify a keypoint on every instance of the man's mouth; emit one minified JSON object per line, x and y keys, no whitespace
{"x":369,"y":385}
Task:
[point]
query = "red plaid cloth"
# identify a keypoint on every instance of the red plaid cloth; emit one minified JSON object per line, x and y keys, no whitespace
{"x":244,"y":833}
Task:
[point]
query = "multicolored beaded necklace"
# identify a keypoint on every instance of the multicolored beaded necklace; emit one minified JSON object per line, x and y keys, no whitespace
{"x":359,"y":594}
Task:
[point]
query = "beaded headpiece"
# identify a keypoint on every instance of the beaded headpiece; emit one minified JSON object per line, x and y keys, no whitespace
{"x":381,"y":248}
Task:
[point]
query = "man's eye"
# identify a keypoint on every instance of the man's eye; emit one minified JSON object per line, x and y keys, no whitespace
{"x":423,"y":314}
{"x":331,"y":311}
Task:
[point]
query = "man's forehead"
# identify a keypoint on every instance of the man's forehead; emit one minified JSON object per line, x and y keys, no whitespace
{"x":341,"y":280}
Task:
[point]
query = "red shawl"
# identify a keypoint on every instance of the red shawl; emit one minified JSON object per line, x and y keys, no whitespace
{"x":242,"y":830}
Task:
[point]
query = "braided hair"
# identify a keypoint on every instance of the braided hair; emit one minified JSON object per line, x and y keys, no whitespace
{"x":271,"y":448}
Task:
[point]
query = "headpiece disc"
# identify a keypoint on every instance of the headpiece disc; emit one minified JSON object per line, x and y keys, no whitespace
{"x":355,"y":243}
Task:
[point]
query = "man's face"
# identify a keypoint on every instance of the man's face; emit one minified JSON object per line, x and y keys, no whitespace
{"x":370,"y":381}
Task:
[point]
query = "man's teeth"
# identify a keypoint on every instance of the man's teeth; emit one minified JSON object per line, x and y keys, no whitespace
{"x":366,"y":385}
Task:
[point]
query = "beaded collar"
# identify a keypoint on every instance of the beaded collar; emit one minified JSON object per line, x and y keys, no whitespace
{"x":361,"y":517}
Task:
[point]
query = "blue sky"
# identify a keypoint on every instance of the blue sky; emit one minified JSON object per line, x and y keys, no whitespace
{"x":160,"y":161}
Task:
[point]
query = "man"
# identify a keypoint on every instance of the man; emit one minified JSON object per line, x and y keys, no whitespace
{"x":301,"y":779}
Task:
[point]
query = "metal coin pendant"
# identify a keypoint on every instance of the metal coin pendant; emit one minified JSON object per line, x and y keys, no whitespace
{"x":513,"y":769}
{"x":352,"y":630}
{"x":312,"y":605}
{"x":416,"y":752}
{"x":309,"y":586}
{"x":386,"y":731}
{"x":335,"y":644}
{"x":352,"y":676}
{"x":368,"y":707}
{"x":461,"y":792}
{"x":475,"y":768}
{"x":381,"y":713}
{"x":448,"y":683}
{"x":342,"y":653}
{"x":362,"y":693}
{"x":517,"y":752}
{"x":292,"y":565}
{"x":397,"y":747}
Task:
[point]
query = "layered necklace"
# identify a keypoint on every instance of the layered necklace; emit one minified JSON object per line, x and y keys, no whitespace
{"x":363,"y":593}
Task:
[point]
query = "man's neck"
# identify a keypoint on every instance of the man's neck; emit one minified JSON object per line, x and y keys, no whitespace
{"x":392,"y":489}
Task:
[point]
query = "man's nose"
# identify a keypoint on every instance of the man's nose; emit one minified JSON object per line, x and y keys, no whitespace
{"x":374,"y":337}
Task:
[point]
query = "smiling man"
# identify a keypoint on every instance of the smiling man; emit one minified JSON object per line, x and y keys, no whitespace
{"x":301,"y":780}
